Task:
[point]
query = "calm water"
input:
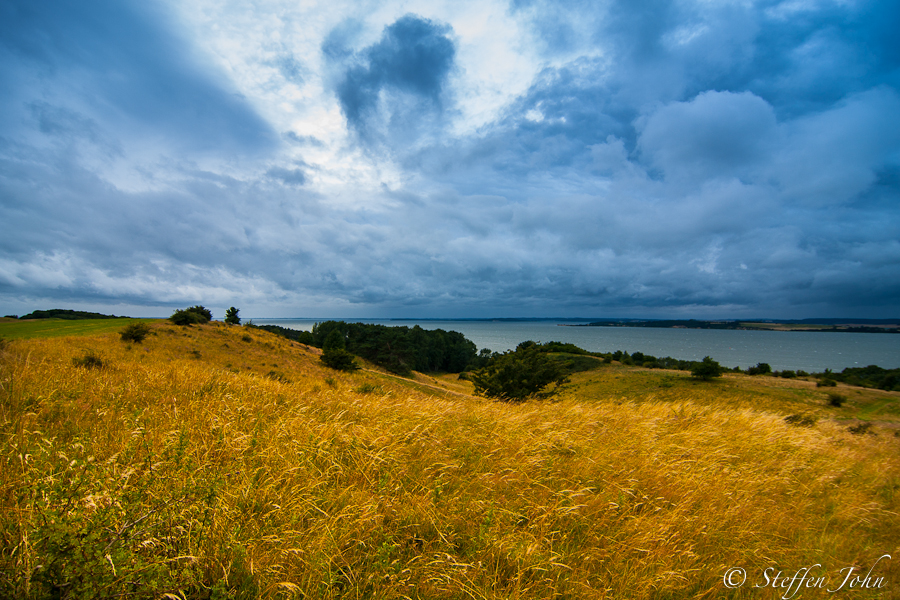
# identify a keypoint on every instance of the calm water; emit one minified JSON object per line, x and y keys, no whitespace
{"x":809,"y":351}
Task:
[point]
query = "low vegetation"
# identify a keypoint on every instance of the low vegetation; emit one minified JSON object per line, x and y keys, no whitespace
{"x":198,"y":465}
{"x":195,"y":315}
{"x":135,"y":332}
{"x":63,"y":313}
{"x":518,"y":375}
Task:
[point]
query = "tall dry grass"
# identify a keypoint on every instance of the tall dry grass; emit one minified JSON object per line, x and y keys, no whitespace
{"x":202,"y":465}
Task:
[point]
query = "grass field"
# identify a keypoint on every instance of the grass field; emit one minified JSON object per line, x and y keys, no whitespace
{"x":219,"y":462}
{"x":42,"y":328}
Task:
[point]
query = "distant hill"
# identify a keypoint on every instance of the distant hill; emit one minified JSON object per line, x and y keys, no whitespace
{"x":72,"y":315}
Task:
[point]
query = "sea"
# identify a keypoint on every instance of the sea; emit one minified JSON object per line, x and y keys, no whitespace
{"x":782,"y":350}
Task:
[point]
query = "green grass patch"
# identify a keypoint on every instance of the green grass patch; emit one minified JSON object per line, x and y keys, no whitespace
{"x":46,"y":328}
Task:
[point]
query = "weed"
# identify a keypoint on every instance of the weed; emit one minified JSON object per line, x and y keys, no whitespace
{"x":368,"y":388}
{"x":801,"y":420}
{"x":90,"y":360}
{"x":861,"y":428}
{"x":277,"y":376}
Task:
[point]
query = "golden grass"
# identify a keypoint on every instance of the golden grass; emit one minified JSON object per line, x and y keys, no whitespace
{"x":202,"y":465}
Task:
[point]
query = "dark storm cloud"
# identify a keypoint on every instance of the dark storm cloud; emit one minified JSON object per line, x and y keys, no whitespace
{"x":414,"y":56}
{"x":668,"y":158}
{"x":118,"y":61}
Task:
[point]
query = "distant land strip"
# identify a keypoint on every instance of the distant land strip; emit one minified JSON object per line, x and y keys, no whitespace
{"x":841,"y":325}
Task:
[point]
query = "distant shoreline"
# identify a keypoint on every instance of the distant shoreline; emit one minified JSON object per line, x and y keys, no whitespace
{"x":808,"y":325}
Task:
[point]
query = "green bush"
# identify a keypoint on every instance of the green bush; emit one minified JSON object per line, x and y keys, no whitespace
{"x":189,"y":316}
{"x":836,"y":399}
{"x":135,"y":332}
{"x":706,"y":369}
{"x":518,"y":375}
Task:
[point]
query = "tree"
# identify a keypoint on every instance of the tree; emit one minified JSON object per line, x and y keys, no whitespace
{"x":760,"y":369}
{"x":707,"y":369}
{"x":518,"y":375}
{"x":231,"y":316}
{"x":334,"y":355}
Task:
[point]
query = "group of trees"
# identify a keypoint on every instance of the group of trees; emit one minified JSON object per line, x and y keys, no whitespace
{"x":400,"y":350}
{"x":200,"y":314}
{"x":514,"y":376}
{"x":872,"y":376}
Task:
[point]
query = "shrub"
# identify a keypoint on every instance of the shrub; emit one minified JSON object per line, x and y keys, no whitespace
{"x":861,"y":428}
{"x":826,"y":383}
{"x":135,"y":332}
{"x":836,"y":399}
{"x":89,"y":361}
{"x":195,"y":314}
{"x":518,"y":375}
{"x":246,"y":338}
{"x":706,"y":369}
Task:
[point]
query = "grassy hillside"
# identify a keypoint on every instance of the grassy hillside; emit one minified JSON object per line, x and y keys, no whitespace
{"x":214,"y":462}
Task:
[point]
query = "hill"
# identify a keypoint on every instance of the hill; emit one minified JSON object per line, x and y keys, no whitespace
{"x":224,"y":462}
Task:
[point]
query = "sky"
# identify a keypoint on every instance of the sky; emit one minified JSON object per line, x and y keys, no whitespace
{"x":451,"y":159}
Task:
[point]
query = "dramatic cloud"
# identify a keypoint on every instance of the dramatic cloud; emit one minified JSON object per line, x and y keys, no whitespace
{"x":402,"y":76}
{"x":634,"y":158}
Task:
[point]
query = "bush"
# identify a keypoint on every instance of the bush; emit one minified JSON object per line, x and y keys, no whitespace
{"x":89,"y":361}
{"x":826,"y":383}
{"x":861,"y":428}
{"x":706,"y":369}
{"x":760,"y":369}
{"x":189,"y":316}
{"x":135,"y":332}
{"x":518,"y":375}
{"x":836,"y":399}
